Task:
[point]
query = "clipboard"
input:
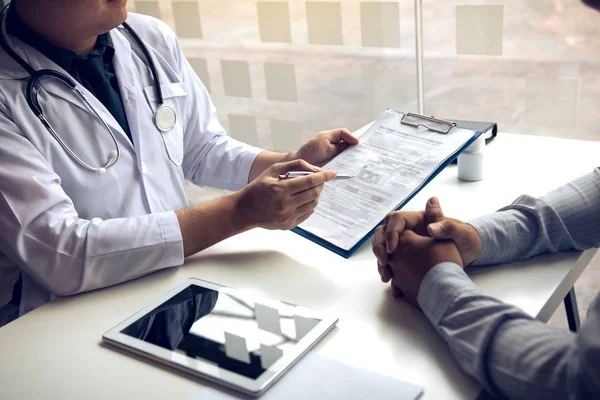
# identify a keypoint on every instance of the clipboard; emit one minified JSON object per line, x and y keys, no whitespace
{"x":430,"y":123}
{"x":489,"y":129}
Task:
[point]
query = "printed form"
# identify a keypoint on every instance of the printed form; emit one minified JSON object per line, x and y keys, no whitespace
{"x":392,"y":161}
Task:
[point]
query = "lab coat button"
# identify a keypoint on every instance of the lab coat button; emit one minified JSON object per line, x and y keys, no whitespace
{"x":144,"y":168}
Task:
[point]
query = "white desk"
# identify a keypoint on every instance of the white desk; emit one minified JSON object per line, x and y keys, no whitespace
{"x":55,"y":352}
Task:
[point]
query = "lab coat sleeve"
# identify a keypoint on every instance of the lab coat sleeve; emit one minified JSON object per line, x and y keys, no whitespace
{"x":211,"y":157}
{"x":42,"y":233}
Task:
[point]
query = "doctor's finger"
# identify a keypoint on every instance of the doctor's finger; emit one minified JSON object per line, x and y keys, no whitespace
{"x":304,"y":217}
{"x":301,"y":198}
{"x":295,"y":165}
{"x":342,"y":134}
{"x":349,"y":137}
{"x":297,"y":185}
{"x":308,"y":207}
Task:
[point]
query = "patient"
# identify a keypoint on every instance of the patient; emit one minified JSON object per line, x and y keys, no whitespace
{"x":510,"y":353}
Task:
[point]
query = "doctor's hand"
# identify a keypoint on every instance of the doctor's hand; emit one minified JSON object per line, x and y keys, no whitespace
{"x":415,"y":256}
{"x":325,"y":146}
{"x":271,"y":203}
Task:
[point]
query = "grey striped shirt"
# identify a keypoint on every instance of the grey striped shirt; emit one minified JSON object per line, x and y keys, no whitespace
{"x":505,"y":349}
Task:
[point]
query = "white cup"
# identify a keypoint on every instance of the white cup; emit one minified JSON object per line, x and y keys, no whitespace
{"x":471,"y":162}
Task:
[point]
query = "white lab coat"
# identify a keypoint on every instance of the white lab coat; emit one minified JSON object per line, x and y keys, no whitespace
{"x":70,"y":230}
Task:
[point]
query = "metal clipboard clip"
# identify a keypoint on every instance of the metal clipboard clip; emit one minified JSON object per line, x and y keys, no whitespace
{"x":431,"y":123}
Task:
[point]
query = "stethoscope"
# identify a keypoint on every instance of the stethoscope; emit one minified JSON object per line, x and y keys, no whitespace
{"x":164,"y":116}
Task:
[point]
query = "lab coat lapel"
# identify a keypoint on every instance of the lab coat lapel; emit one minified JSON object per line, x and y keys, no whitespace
{"x":11,"y":69}
{"x":59,"y":91}
{"x":128,"y":84}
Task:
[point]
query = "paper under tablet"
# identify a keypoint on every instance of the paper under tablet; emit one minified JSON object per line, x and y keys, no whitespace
{"x":320,"y":377}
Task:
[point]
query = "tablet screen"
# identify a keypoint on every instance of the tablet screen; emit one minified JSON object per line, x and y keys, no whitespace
{"x":227,"y":329}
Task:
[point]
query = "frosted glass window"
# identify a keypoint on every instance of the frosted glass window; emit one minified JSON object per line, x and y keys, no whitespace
{"x":243,"y":128}
{"x":187,"y":19}
{"x":286,"y":135}
{"x":281,"y":82}
{"x":236,"y":78}
{"x":380,"y":24}
{"x":274,"y":21}
{"x":324,"y":23}
{"x":148,"y":8}
{"x":479,"y":30}
{"x":551,"y":102}
{"x":201,"y":68}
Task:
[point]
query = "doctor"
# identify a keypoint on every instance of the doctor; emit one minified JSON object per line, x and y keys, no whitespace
{"x":94,"y":152}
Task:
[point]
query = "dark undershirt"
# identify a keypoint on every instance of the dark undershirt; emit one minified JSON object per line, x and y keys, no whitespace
{"x":95,"y":71}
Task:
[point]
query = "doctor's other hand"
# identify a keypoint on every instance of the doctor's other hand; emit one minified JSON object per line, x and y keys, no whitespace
{"x":325,"y":146}
{"x":270,"y":203}
{"x":415,"y":256}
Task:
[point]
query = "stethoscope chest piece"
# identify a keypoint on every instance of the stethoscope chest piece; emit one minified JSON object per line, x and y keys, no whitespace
{"x":165,"y":118}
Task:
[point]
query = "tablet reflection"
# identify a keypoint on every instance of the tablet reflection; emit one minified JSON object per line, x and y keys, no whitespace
{"x":223,"y":329}
{"x":168,"y":324}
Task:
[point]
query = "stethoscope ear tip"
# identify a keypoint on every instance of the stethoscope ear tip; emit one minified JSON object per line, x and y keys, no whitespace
{"x":101,"y":171}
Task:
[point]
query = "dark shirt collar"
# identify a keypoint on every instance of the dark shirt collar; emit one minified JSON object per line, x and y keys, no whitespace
{"x":63,"y":57}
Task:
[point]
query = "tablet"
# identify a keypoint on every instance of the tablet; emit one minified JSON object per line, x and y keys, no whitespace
{"x":239,"y":340}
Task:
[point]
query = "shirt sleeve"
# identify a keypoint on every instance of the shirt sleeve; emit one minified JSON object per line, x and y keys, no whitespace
{"x":43,"y":234}
{"x":566,"y":218}
{"x":211,"y":158}
{"x":507,"y":351}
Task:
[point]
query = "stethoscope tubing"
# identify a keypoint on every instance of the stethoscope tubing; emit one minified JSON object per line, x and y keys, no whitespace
{"x":34,"y":83}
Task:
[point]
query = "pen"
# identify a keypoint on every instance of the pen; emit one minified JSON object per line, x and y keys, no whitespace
{"x":298,"y":174}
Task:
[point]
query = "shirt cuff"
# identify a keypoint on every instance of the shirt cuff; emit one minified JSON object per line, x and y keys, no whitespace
{"x":248,"y":157}
{"x":440,"y":288}
{"x":172,"y":239}
{"x":493,"y":229}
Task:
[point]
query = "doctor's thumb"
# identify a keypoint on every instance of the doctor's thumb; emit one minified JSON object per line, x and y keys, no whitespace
{"x":294,"y":165}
